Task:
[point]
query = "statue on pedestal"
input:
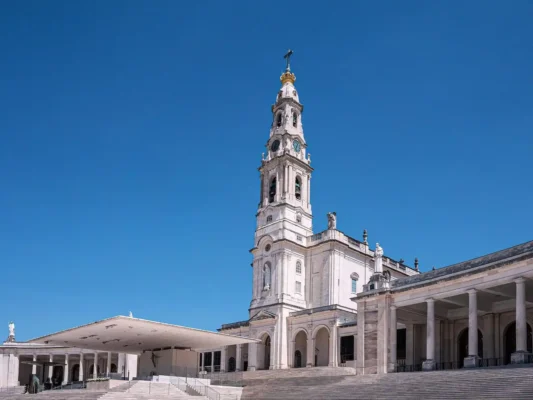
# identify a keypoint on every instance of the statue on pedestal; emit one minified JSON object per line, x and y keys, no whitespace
{"x":379,"y":251}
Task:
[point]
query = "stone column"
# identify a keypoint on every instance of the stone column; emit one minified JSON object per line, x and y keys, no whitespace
{"x":333,"y":347}
{"x":212,"y":361}
{"x":393,"y":339}
{"x":355,"y":348}
{"x":81,"y":368}
{"x":252,"y":356}
{"x":429,"y":364}
{"x":292,"y":347}
{"x":108,"y":365}
{"x":471,"y":360}
{"x":51,"y":367}
{"x":65,"y":370}
{"x":95,"y":366}
{"x":308,"y":190}
{"x":497,"y":338}
{"x":201,"y":362}
{"x":519,"y":357}
{"x":238,"y":358}
{"x":409,"y":344}
{"x":34,"y":366}
{"x":488,"y":337}
{"x":121,"y":367}
{"x":223,"y":354}
{"x":453,"y":353}
{"x":290,"y":176}
{"x":310,"y":353}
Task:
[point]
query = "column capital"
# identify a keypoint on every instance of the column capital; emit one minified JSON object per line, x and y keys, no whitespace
{"x":430,"y":301}
{"x":519,"y":280}
{"x":471,"y":291}
{"x":393,"y":308}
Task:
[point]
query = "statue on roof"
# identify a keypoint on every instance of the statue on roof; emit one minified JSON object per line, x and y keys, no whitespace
{"x":379,"y":251}
{"x":332,"y":220}
{"x":11,"y":337}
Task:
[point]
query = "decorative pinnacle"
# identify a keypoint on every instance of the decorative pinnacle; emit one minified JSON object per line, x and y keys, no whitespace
{"x":365,"y":236}
{"x":416,"y":264}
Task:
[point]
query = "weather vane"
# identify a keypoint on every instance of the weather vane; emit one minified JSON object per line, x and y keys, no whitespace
{"x":288,"y":58}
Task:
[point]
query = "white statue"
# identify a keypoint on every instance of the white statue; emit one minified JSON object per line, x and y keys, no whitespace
{"x":266,"y":277}
{"x":379,"y":251}
{"x":11,"y":329}
{"x":131,"y":315}
{"x":332,"y":220}
{"x":378,"y":261}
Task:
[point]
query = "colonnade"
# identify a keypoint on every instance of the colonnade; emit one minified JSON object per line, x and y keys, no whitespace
{"x":520,"y":355}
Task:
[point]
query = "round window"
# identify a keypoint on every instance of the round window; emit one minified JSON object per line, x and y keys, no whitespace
{"x":267,"y":247}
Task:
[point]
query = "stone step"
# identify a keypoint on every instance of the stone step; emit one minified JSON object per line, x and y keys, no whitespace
{"x":488,"y":384}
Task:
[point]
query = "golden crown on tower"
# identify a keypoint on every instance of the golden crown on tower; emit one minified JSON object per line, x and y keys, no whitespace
{"x":287,"y":77}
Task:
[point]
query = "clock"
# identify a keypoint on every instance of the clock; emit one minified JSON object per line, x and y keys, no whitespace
{"x":274,"y":146}
{"x":296,"y":146}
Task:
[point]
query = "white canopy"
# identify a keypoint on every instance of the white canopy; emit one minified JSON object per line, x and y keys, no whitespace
{"x":133,"y":335}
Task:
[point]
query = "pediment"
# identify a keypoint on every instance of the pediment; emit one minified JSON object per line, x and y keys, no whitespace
{"x":261,"y":315}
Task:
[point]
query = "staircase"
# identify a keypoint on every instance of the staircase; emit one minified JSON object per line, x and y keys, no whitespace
{"x":484,"y":383}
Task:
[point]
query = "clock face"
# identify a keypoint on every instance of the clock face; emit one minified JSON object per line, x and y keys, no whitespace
{"x":275,"y":146}
{"x":296,"y":146}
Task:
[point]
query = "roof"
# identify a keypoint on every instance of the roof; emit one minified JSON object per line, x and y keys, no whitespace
{"x":464,"y":267}
{"x":134,"y":335}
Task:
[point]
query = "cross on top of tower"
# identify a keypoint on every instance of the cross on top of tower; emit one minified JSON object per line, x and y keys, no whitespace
{"x":288,"y":58}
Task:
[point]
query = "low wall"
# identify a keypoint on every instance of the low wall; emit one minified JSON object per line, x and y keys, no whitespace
{"x":104,"y":385}
{"x":98,"y":386}
{"x":228,"y":392}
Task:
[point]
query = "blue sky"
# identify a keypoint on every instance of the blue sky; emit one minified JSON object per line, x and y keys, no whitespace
{"x":131,"y":133}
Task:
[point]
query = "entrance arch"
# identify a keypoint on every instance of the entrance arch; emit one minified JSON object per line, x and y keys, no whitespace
{"x":263,"y":352}
{"x":231,"y":364}
{"x":75,"y":374}
{"x":57,"y":375}
{"x":509,"y":341}
{"x":462,"y":346}
{"x":322,"y":347}
{"x":297,"y":359}
{"x":300,"y":350}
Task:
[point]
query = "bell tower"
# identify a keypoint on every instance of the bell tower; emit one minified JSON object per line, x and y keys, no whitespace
{"x":285,"y":200}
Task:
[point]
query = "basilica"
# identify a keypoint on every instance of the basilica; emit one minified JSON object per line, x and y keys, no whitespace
{"x":319,"y":299}
{"x":329,"y":299}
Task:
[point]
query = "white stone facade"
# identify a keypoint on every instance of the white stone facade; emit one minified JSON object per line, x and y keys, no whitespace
{"x":477,"y":313}
{"x":303,"y":282}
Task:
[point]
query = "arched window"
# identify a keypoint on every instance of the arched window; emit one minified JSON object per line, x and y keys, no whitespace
{"x":278,"y":120}
{"x":269,"y":219}
{"x":266,"y":277}
{"x":298,"y":187}
{"x":298,"y":267}
{"x":272,"y":190}
{"x":354,"y":277}
{"x":294,"y":119}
